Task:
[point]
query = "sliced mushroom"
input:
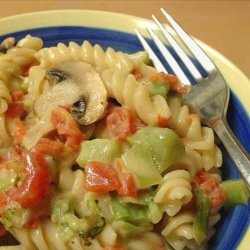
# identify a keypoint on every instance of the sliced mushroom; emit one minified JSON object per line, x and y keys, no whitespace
{"x":78,"y":86}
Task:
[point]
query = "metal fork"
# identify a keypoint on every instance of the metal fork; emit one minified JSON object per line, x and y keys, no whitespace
{"x":209,"y":97}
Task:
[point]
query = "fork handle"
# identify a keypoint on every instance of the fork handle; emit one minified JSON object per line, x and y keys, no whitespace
{"x":236,"y":151}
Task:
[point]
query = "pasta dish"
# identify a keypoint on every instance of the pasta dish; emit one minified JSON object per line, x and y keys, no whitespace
{"x":98,"y":152}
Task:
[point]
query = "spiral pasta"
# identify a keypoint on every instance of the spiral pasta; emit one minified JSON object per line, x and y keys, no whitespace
{"x":135,"y":95}
{"x":115,"y":68}
{"x":179,"y":230}
{"x":196,"y":137}
{"x":93,"y":55}
{"x":5,"y":97}
{"x":148,"y":241}
{"x":40,"y":239}
{"x":175,"y":191}
{"x":191,"y":161}
{"x":11,"y":64}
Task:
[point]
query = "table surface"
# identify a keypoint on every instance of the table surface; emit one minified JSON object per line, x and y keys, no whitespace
{"x":224,"y":25}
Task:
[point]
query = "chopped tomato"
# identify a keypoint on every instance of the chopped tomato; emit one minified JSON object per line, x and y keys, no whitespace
{"x":206,"y":181}
{"x":4,"y":201}
{"x":101,"y":177}
{"x":2,"y":230}
{"x":17,"y":95}
{"x":137,"y":74}
{"x":163,"y":121}
{"x":34,"y":189}
{"x":20,"y":132}
{"x":122,"y":122}
{"x":210,"y":185}
{"x":217,"y":198}
{"x":32,"y":223}
{"x":26,"y":68}
{"x":172,"y":80}
{"x":128,"y":185}
{"x":66,"y":126}
{"x":48,"y":147}
{"x":15,"y":110}
{"x":2,"y":159}
{"x":16,"y":107}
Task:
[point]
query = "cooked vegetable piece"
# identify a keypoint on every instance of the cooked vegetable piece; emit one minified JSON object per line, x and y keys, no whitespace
{"x":128,"y":185}
{"x":8,"y":175}
{"x":236,"y":191}
{"x":210,"y":185}
{"x":93,"y":206}
{"x":201,"y":218}
{"x":155,"y":213}
{"x":158,"y":89}
{"x":15,"y":216}
{"x":77,"y":83}
{"x":122,"y":122}
{"x":139,"y":161}
{"x":34,"y":189}
{"x":66,"y":126}
{"x":102,"y":150}
{"x":71,"y":224}
{"x":165,"y":146}
{"x":127,"y":230}
{"x":134,"y":214}
{"x":139,"y":57}
{"x":101,"y":177}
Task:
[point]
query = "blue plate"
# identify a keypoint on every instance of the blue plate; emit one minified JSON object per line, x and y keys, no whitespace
{"x":233,"y":224}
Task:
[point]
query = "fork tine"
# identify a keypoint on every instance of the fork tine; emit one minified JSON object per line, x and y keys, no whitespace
{"x":169,"y":58}
{"x":179,"y":51}
{"x":203,"y":59}
{"x":157,"y":63}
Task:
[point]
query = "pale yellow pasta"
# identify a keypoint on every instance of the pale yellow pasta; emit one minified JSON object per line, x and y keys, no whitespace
{"x":48,"y":236}
{"x":36,"y":82}
{"x":146,"y":241}
{"x":128,"y":91}
{"x":195,"y":136}
{"x":35,"y":132}
{"x":23,"y":53}
{"x":178,"y":231}
{"x":108,"y":236}
{"x":212,"y":221}
{"x":5,"y":137}
{"x":175,"y":191}
{"x":191,"y":161}
{"x":93,"y":55}
{"x":30,"y":42}
{"x":10,"y":66}
{"x":7,"y":43}
{"x":5,"y":69}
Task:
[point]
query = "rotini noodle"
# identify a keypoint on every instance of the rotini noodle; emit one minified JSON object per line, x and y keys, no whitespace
{"x":179,"y":230}
{"x":198,"y":138}
{"x":93,"y":55}
{"x":135,"y":95}
{"x":148,"y":241}
{"x":175,"y":191}
{"x":40,"y":239}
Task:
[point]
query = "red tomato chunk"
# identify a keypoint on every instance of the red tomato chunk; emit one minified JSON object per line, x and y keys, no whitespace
{"x":122,"y":122}
{"x":66,"y":125}
{"x":34,"y":190}
{"x":101,"y":177}
{"x":210,"y":186}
